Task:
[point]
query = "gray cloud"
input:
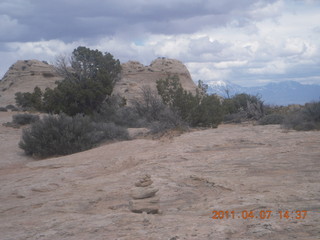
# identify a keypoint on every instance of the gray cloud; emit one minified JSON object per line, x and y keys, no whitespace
{"x":71,"y":20}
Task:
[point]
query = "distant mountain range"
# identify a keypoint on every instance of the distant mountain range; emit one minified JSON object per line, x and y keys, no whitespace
{"x":282,"y":93}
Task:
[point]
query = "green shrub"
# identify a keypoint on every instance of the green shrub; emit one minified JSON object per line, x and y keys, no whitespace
{"x":306,"y":126}
{"x":30,"y":100}
{"x":128,"y":117}
{"x":149,"y":105}
{"x":243,"y":105}
{"x":274,"y":109}
{"x":271,"y":119}
{"x":293,"y":119}
{"x":167,"y":119}
{"x":312,"y":111}
{"x":62,"y":135}
{"x":146,"y":111}
{"x":209,"y":112}
{"x":84,"y":87}
{"x":304,"y":119}
{"x":153,"y":113}
{"x":72,"y":96}
{"x":235,"y":117}
{"x":24,"y":118}
{"x":114,"y":110}
{"x":11,"y":124}
{"x":198,"y":110}
{"x":10,"y":107}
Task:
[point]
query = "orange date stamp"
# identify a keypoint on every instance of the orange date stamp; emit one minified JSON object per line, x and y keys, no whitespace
{"x":259,"y":214}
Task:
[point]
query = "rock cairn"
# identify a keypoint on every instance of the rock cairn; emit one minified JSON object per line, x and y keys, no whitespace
{"x":144,"y":197}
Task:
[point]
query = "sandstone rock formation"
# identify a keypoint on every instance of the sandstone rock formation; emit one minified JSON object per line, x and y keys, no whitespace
{"x":24,"y":76}
{"x":144,"y":199}
{"x":135,"y":75}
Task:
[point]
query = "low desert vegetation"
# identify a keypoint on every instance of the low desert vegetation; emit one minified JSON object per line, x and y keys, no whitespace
{"x":147,"y":111}
{"x":30,"y":101}
{"x":12,"y":108}
{"x":21,"y":119}
{"x":243,"y":107}
{"x":83,"y":112}
{"x":156,"y":115}
{"x":56,"y":135}
{"x":24,"y":118}
{"x":272,"y":119}
{"x":305,"y":118}
{"x":197,"y":110}
{"x":298,"y":117}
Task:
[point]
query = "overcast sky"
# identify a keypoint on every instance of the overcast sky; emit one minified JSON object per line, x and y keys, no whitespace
{"x":247,"y":42}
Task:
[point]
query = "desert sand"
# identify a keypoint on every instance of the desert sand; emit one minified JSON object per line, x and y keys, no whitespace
{"x":232,"y":168}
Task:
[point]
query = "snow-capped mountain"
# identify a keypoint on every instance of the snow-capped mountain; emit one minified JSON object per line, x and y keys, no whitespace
{"x":282,"y":93}
{"x":224,"y":88}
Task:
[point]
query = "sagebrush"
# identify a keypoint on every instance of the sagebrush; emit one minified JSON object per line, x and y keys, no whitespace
{"x":24,"y":118}
{"x":61,"y":135}
{"x":271,"y":119}
{"x":304,"y":119}
{"x":243,"y":107}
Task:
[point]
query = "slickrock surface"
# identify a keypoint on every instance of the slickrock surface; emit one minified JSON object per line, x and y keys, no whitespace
{"x":231,"y":168}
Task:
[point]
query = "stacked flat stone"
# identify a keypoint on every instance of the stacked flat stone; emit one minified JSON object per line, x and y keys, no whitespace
{"x":144,"y":197}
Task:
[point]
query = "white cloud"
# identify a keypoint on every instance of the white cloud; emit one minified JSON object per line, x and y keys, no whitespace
{"x":277,"y":66}
{"x":45,"y":49}
{"x":230,"y":64}
{"x":42,"y":50}
{"x":207,"y":71}
{"x":262,"y":11}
